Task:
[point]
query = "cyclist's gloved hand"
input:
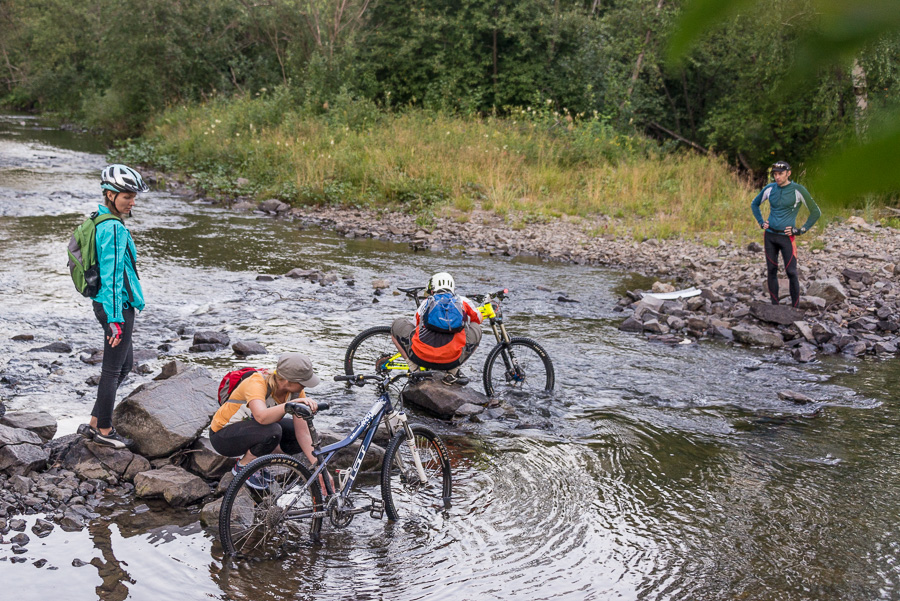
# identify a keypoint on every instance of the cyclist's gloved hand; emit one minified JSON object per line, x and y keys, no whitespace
{"x":765,"y":225}
{"x":115,"y":334}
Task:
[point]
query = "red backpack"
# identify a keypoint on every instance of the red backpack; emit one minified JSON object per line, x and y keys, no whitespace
{"x":231,"y":381}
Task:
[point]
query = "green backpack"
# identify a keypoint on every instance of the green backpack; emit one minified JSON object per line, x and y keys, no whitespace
{"x":83,"y":255}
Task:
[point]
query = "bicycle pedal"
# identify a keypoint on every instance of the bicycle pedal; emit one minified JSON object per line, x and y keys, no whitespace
{"x":377,"y":509}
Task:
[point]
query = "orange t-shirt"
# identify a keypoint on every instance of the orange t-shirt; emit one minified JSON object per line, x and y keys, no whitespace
{"x":237,"y":408}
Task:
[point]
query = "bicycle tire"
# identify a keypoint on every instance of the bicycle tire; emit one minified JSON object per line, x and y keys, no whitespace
{"x":253,"y":523}
{"x":364,"y":350}
{"x":400,"y":488}
{"x":534,"y":359}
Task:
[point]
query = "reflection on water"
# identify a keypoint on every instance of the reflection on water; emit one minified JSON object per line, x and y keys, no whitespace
{"x":653,"y":472}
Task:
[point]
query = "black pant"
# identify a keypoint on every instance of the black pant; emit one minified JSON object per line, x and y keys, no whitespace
{"x":249,"y":435}
{"x":117,"y":363}
{"x":780,"y":243}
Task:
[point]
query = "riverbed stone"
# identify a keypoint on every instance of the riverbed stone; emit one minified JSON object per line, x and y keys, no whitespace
{"x":885,"y":348}
{"x":40,"y":422}
{"x":139,"y":464}
{"x":167,"y":415}
{"x":469,"y":409}
{"x":174,"y":484}
{"x":211,"y":337}
{"x":631,"y":324}
{"x":53,"y":347}
{"x":811,"y":303}
{"x":829,"y":289}
{"x":209,"y":515}
{"x":755,"y":336}
{"x":441,"y":399}
{"x":273,"y":205}
{"x":854,"y":348}
{"x":248,"y":348}
{"x":19,"y":459}
{"x":93,"y":461}
{"x":780,"y":314}
{"x":804,"y":353}
{"x":805,"y":330}
{"x":172,"y":368}
{"x":796,"y":397}
{"x":206,"y":462}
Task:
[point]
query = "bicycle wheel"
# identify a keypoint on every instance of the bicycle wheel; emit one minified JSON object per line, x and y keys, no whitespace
{"x":265,"y":518}
{"x":522,"y":366}
{"x":404,"y":495}
{"x":368,"y":347}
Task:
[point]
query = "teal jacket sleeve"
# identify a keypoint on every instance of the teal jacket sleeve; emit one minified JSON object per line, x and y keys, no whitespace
{"x":754,"y":206}
{"x":814,"y":211}
{"x":111,"y":245}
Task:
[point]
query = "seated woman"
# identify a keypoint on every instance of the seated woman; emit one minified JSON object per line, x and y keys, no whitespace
{"x":252,"y":422}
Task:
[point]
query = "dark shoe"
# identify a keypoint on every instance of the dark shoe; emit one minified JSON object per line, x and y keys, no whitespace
{"x":456,"y":378}
{"x":257,"y":480}
{"x":86,"y":431}
{"x":113,"y":439}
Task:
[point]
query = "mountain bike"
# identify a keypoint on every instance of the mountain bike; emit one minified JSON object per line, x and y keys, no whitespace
{"x":515,"y":364}
{"x":265,"y":518}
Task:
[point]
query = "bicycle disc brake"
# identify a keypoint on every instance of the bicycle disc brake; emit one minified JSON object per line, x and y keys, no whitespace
{"x":340,"y":511}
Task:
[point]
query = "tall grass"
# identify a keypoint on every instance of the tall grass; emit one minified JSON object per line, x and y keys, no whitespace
{"x":535,"y":163}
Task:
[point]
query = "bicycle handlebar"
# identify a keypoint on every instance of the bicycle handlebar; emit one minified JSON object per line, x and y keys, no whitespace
{"x":301,"y":410}
{"x":499,"y":295}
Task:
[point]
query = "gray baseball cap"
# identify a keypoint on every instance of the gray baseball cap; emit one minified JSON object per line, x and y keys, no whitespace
{"x":296,"y":367}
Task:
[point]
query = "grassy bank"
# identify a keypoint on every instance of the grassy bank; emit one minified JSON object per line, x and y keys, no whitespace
{"x":532,"y":166}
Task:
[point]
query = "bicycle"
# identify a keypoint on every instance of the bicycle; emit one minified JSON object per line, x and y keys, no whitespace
{"x":524,"y":365}
{"x":264,"y":523}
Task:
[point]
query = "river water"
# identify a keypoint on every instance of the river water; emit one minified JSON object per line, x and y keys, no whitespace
{"x":654,"y":471}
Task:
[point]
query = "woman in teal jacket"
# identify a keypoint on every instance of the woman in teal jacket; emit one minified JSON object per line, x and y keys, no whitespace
{"x":119,"y":296}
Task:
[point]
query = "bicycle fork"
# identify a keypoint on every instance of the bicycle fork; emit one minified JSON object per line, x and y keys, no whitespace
{"x":397,"y":420}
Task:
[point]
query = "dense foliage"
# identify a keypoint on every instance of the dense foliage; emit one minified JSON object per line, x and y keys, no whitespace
{"x":113,"y":64}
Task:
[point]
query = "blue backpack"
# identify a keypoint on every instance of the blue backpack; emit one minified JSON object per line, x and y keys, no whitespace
{"x":444,"y":313}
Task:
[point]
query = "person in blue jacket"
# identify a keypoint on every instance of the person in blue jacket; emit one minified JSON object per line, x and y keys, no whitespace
{"x":119,"y":296}
{"x":785,"y":198}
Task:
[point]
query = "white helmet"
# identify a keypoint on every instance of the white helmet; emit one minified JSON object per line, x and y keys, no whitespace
{"x":120,"y":178}
{"x":441,"y":281}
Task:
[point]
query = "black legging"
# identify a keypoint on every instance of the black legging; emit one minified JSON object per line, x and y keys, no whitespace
{"x":776,"y":243}
{"x":249,"y":435}
{"x":117,"y":363}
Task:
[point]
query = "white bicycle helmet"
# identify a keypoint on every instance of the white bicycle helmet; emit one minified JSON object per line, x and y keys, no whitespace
{"x":121,"y":178}
{"x":441,"y":281}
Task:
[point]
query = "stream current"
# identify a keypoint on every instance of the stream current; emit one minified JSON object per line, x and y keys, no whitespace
{"x":654,"y":471}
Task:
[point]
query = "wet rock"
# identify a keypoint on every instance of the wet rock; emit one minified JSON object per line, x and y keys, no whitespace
{"x":754,"y":247}
{"x":77,"y":563}
{"x":177,"y":486}
{"x":41,"y":423}
{"x":17,"y":525}
{"x":804,"y":353}
{"x":71,"y":522}
{"x":170,"y":369}
{"x":167,"y":415}
{"x":20,"y":539}
{"x":139,"y":464}
{"x":90,"y":460}
{"x":829,"y":289}
{"x":248,"y":348}
{"x":805,"y":330}
{"x":42,"y":528}
{"x":796,"y":397}
{"x":821,"y":333}
{"x":20,"y":484}
{"x":53,"y":347}
{"x":780,"y":314}
{"x":653,"y":326}
{"x":26,"y":337}
{"x":662,"y":287}
{"x":441,"y":399}
{"x":757,"y":336}
{"x":210,"y":337}
{"x":885,"y":348}
{"x":380,"y":284}
{"x":811,"y":303}
{"x":565,"y":299}
{"x":857,"y":275}
{"x":309,"y":274}
{"x":273,"y":205}
{"x":94,"y":380}
{"x":854,"y":348}
{"x":94,"y":358}
{"x":265,"y":278}
{"x":209,"y":515}
{"x":206,"y":462}
{"x":469,"y":409}
{"x":20,"y":452}
{"x":631,"y":325}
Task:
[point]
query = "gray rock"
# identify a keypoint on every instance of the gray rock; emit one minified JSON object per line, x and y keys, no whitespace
{"x":780,"y":314}
{"x":857,"y":275}
{"x":273,"y":205}
{"x":811,"y":303}
{"x":20,"y":484}
{"x":441,"y":399}
{"x":723,"y":332}
{"x":631,"y":325}
{"x":821,"y":333}
{"x":16,"y":436}
{"x":796,"y":397}
{"x":90,"y":460}
{"x":20,"y":539}
{"x":206,"y":462}
{"x":757,"y":336}
{"x":139,"y":464}
{"x":248,"y":348}
{"x":265,"y":278}
{"x":168,"y":415}
{"x":17,"y":525}
{"x":42,"y":528}
{"x":209,"y":515}
{"x":854,"y":348}
{"x":309,"y":274}
{"x":469,"y":409}
{"x":210,"y":337}
{"x":754,"y":247}
{"x":177,"y":486}
{"x":655,"y":327}
{"x":22,"y":458}
{"x":711,"y":295}
{"x":829,"y":289}
{"x":884,"y":348}
{"x":95,"y":357}
{"x":380,"y":284}
{"x":71,"y":522}
{"x":805,"y":330}
{"x":53,"y":347}
{"x":204,"y":348}
{"x":172,"y":368}
{"x":804,"y":353}
{"x":23,"y":337}
{"x":41,"y":423}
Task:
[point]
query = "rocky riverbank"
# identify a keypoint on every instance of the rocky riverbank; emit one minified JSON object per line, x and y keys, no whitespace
{"x":849,"y":274}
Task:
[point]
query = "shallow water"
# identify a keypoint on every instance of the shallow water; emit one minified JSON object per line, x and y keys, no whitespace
{"x":653,"y":472}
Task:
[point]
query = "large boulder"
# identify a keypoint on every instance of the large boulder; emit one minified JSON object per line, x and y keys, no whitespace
{"x":206,"y":462}
{"x":177,"y":486}
{"x":41,"y":423}
{"x":19,"y":458}
{"x":830,"y":289}
{"x":757,"y":336}
{"x":90,"y":460}
{"x":167,"y":415}
{"x":780,"y":314}
{"x":441,"y":399}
